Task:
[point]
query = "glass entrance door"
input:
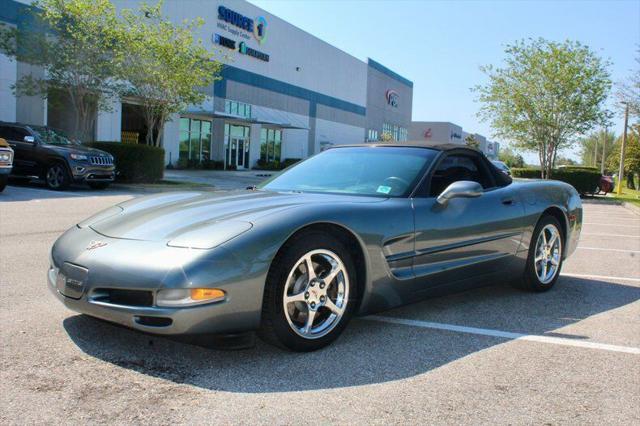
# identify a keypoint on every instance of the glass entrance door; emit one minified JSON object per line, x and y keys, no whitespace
{"x":238,"y":153}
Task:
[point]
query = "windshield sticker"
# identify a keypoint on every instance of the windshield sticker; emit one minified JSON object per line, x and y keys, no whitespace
{"x":384,"y":189}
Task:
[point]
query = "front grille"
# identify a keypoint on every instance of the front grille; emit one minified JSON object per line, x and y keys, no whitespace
{"x":101,"y":161}
{"x":142,"y":298}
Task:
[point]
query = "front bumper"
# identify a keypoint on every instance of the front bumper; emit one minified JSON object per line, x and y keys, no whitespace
{"x":5,"y":170}
{"x":89,"y":173}
{"x":145,"y":266}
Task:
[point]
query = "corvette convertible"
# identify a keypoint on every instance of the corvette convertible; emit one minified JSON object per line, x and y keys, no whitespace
{"x":350,"y":231}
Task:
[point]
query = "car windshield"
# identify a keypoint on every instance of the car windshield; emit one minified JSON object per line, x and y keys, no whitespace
{"x":374,"y":171}
{"x":51,"y":136}
{"x":500,"y":165}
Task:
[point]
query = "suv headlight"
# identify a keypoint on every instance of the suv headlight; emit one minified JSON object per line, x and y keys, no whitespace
{"x":79,"y":157}
{"x":5,"y":156}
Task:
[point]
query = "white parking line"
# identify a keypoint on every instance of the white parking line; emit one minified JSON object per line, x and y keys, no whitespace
{"x":608,"y":249}
{"x":505,"y":334}
{"x":600,"y":277}
{"x":596,"y":234}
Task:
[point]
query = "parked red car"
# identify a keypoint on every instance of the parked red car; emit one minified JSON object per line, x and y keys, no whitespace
{"x":606,"y":185}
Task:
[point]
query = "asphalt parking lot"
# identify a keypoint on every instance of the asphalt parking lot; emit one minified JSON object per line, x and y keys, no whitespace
{"x":491,"y":355}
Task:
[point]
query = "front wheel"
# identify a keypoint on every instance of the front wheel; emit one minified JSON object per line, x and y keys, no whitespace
{"x":545,"y":255}
{"x":57,"y":177}
{"x":309,"y":294}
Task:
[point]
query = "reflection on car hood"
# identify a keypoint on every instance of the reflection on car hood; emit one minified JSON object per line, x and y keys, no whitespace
{"x":165,"y":216}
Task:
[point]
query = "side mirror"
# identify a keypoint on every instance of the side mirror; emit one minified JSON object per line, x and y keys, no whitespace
{"x":460,"y":189}
{"x":29,"y":139}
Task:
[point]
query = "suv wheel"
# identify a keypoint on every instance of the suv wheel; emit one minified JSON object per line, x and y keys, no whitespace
{"x":57,"y":177}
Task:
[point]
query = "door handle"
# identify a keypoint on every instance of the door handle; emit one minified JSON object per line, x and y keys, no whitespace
{"x":507,"y":201}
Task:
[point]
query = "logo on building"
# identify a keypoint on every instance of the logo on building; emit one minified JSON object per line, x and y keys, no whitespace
{"x":392,"y":98}
{"x":246,"y":50}
{"x":260,"y":29}
{"x":427,"y":133}
{"x":225,"y":42}
{"x":257,"y":27}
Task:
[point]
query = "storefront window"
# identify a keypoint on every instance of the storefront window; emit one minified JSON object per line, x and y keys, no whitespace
{"x":195,"y":140}
{"x":270,"y":145}
{"x":237,"y":108}
{"x":396,"y":132}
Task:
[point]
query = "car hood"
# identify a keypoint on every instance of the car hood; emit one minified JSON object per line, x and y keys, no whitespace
{"x":167,"y":216}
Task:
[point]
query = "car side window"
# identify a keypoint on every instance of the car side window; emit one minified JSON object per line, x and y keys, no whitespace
{"x":6,"y":133}
{"x":13,"y":133}
{"x":458,"y":167}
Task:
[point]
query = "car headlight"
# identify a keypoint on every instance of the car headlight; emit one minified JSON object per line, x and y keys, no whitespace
{"x":78,"y":157}
{"x":210,"y":236}
{"x":5,"y":156}
{"x":173,"y":297}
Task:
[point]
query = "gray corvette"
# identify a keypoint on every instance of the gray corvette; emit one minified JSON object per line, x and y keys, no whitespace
{"x":350,"y":231}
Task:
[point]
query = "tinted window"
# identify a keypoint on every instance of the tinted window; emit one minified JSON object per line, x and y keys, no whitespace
{"x":13,"y":133}
{"x":459,"y":167}
{"x":376,"y":171}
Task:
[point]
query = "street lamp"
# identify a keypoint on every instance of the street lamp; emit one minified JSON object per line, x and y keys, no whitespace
{"x":622,"y":148}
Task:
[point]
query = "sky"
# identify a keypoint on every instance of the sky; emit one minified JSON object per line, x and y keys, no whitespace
{"x":440,"y":45}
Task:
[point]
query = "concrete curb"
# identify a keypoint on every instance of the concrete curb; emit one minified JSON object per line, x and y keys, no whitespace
{"x":632,"y":207}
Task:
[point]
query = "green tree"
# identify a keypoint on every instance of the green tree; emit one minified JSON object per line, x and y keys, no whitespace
{"x":472,"y":142}
{"x":546,"y":95}
{"x":76,"y":43}
{"x":631,"y":158}
{"x":511,"y":158}
{"x":565,"y":161}
{"x":165,"y":67}
{"x":629,"y":90}
{"x":591,"y":147}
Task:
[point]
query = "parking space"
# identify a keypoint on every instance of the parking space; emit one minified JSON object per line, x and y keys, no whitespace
{"x":489,"y":355}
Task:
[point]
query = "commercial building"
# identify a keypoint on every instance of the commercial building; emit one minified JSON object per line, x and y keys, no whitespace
{"x":283,"y":94}
{"x":446,"y":132}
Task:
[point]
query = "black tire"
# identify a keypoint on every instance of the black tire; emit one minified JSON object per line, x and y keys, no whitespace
{"x":57,"y":177}
{"x":98,"y":185}
{"x":3,"y":182}
{"x":530,"y":280}
{"x":275,"y":328}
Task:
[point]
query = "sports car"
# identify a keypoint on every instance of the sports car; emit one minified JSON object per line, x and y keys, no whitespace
{"x":350,"y":231}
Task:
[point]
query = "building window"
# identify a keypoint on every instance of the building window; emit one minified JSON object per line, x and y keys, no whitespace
{"x":195,"y":140}
{"x":372,"y":135}
{"x":237,"y":108}
{"x":395,"y":132}
{"x":270,"y":145}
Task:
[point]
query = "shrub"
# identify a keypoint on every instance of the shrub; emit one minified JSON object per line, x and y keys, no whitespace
{"x":135,"y":163}
{"x":583,"y":179}
{"x":275,"y":165}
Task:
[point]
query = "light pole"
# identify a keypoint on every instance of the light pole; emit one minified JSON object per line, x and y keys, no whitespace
{"x":624,"y":143}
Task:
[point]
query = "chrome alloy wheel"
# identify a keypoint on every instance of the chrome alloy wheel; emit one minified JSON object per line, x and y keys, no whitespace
{"x":55,"y":176}
{"x":548,"y":253}
{"x":316,"y":294}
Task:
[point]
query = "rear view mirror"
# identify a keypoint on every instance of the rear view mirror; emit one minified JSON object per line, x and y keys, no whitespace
{"x":29,"y":139}
{"x":460,"y":189}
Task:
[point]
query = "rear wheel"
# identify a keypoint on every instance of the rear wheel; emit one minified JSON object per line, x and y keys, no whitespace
{"x":545,"y":255}
{"x":309,"y":294}
{"x":57,"y":177}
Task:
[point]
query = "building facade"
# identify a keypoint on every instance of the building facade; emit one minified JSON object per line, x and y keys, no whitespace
{"x":283,"y":94}
{"x":446,"y":132}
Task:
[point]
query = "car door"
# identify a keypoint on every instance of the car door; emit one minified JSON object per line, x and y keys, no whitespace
{"x":466,"y":237}
{"x":24,"y":160}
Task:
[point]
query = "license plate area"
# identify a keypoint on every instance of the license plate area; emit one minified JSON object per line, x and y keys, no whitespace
{"x":72,"y":280}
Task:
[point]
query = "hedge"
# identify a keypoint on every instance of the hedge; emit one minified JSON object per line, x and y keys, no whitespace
{"x":275,"y":165}
{"x":135,"y":163}
{"x":583,"y":179}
